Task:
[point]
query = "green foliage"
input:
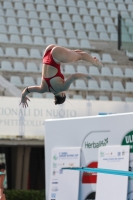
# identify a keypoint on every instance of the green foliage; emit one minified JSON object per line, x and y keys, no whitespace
{"x":24,"y":195}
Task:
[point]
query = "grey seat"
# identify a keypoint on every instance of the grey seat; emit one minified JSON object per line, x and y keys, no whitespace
{"x":105,"y":85}
{"x":93,"y":85}
{"x":3,"y":38}
{"x":15,"y":80}
{"x":94,"y":71}
{"x":28,"y":81}
{"x":117,"y":86}
{"x":34,"y":53}
{"x":129,"y":87}
{"x":13,"y":30}
{"x":31,"y":67}
{"x":129,"y":72}
{"x":10,"y":52}
{"x":19,"y":66}
{"x":23,"y":53}
{"x":25,"y":30}
{"x":6,"y":66}
{"x":3,"y":29}
{"x":105,"y":71}
{"x":103,"y":98}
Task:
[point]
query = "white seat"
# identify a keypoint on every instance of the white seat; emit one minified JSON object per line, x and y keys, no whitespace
{"x":10,"y":13}
{"x":57,"y":24}
{"x":21,"y":14}
{"x":23,"y":53}
{"x":114,"y":13}
{"x":48,"y":32}
{"x":38,"y":80}
{"x":68,"y":25}
{"x":128,"y":1}
{"x":81,"y":4}
{"x":90,"y":97}
{"x":70,"y":34}
{"x":83,"y":11}
{"x":34,"y":23}
{"x":117,"y":86}
{"x":46,"y":24}
{"x":11,"y":21}
{"x":104,"y":13}
{"x":108,"y":21}
{"x":94,"y":12}
{"x":103,"y":98}
{"x":61,"y":2}
{"x":129,"y":87}
{"x":93,"y":36}
{"x":3,"y":29}
{"x":7,"y":5}
{"x":71,"y":3}
{"x":74,"y":43}
{"x":29,"y":6}
{"x":23,"y":22}
{"x":65,"y":18}
{"x":125,"y":14}
{"x":79,"y":26}
{"x":62,"y":10}
{"x":101,"y":28}
{"x":38,"y":40}
{"x":36,"y":31}
{"x":2,"y":12}
{"x":105,"y":86}
{"x":3,"y":38}
{"x":24,"y":30}
{"x":94,"y":71}
{"x":50,"y":2}
{"x":26,"y":39}
{"x":51,"y":8}
{"x":55,"y":17}
{"x":129,"y":22}
{"x":115,"y":98}
{"x":31,"y":67}
{"x":126,"y":37}
{"x":85,"y":44}
{"x":130,"y":7}
{"x":28,"y":81}
{"x":37,"y":95}
{"x":1,"y":52}
{"x":59,"y":33}
{"x":114,"y":37}
{"x":19,"y":66}
{"x":6,"y":66}
{"x":80,"y":85}
{"x":13,"y":30}
{"x":91,"y":4}
{"x":87,"y":19}
{"x":129,"y":73}
{"x":15,"y":80}
{"x":105,"y":71}
{"x":77,"y":96}
{"x":130,"y":30}
{"x":112,"y":6}
{"x":50,"y":40}
{"x":124,"y":30}
{"x":96,"y":55}
{"x":34,"y":53}
{"x":2,"y":20}
{"x":117,"y":72}
{"x":43,"y":15}
{"x":10,"y":52}
{"x":104,"y":36}
{"x":90,"y":27}
{"x":82,"y":35}
{"x":69,"y":69}
{"x":62,"y":42}
{"x":15,"y":39}
{"x":93,"y":85}
{"x":129,"y":99}
{"x":28,"y":1}
{"x":72,"y":10}
{"x":101,"y":5}
{"x":82,"y":69}
{"x":18,"y":6}
{"x":33,"y":15}
{"x":76,"y":18}
{"x":111,"y":29}
{"x":122,"y":7}
{"x":98,"y":20}
{"x":40,"y":8}
{"x":107,"y":58}
{"x":49,"y":95}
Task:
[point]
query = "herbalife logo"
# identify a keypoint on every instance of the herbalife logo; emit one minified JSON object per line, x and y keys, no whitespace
{"x":55,"y":157}
{"x":128,"y":140}
{"x":96,"y":144}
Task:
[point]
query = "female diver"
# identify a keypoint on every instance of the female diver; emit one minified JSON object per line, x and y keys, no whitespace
{"x":52,"y":78}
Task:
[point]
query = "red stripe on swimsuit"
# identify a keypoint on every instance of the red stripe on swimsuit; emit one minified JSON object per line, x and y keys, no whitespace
{"x":48,"y":59}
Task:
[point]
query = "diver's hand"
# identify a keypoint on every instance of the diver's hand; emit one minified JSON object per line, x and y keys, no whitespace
{"x":24,"y":100}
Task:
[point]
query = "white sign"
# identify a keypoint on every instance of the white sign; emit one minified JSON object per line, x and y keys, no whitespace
{"x":89,"y":133}
{"x":64,"y":181}
{"x":29,"y":122}
{"x":112,"y":186}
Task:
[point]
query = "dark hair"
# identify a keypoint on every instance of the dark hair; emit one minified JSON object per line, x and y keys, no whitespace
{"x":2,"y":166}
{"x":59,"y":99}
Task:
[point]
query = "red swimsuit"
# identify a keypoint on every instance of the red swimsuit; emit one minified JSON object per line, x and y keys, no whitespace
{"x":48,"y":59}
